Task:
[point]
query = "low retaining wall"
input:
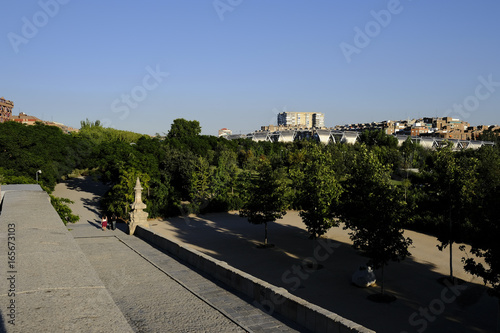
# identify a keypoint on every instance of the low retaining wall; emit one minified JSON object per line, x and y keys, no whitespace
{"x":267,"y":296}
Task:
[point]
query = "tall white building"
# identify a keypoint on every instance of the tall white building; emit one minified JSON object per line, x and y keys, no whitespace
{"x":301,"y":119}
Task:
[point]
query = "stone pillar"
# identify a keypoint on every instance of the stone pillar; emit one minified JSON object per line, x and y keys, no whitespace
{"x":138,"y":216}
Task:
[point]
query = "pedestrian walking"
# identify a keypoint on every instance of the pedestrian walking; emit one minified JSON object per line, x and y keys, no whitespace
{"x":113,"y":222}
{"x":104,"y":222}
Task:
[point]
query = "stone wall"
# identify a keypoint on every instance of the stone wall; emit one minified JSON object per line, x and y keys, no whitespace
{"x":267,"y":296}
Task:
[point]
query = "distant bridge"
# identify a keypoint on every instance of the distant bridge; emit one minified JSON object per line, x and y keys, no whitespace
{"x":334,"y":136}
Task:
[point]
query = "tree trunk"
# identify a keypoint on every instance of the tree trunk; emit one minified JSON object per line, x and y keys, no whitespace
{"x":498,"y":316}
{"x":451,"y":252}
{"x":315,"y":241}
{"x":451,"y":262}
{"x":265,"y":233}
{"x":382,"y":282}
{"x":452,"y":280}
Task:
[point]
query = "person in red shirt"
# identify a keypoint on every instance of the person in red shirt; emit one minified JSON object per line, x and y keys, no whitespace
{"x":104,"y":222}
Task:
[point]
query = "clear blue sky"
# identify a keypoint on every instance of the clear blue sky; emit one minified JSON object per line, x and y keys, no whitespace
{"x":239,"y":65}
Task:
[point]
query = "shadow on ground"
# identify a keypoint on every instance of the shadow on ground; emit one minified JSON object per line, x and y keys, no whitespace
{"x":82,"y":184}
{"x":232,"y":239}
{"x":85,"y":185}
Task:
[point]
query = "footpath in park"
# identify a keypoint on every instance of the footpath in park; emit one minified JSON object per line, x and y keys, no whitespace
{"x":423,"y":304}
{"x":154,"y":291}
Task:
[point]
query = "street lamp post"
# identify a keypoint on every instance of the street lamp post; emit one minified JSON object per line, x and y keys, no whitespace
{"x":39,"y":171}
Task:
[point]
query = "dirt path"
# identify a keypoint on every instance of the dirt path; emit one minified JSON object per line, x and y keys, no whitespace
{"x":86,"y":195}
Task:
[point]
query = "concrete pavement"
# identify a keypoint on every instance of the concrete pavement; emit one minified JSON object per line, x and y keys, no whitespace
{"x":46,"y":283}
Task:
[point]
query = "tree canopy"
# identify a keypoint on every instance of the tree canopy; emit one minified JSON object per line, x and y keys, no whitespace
{"x":375,"y":211}
{"x":266,"y":201}
{"x":182,"y":128}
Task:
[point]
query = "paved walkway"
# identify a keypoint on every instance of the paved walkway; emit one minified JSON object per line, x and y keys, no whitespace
{"x":47,"y":284}
{"x":154,"y":291}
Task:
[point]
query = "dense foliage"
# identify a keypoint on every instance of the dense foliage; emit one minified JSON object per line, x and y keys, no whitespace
{"x":26,"y":149}
{"x":266,"y":196}
{"x":375,"y":186}
{"x":61,"y":205}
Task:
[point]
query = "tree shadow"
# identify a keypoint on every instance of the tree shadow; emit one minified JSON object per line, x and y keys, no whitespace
{"x":86,"y":184}
{"x":2,"y":323}
{"x":92,"y":205}
{"x":232,"y":239}
{"x":95,"y":223}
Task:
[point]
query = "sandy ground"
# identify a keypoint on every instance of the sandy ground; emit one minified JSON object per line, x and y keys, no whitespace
{"x":423,"y":304}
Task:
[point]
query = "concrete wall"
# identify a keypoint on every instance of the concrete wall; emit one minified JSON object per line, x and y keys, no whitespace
{"x":267,"y":296}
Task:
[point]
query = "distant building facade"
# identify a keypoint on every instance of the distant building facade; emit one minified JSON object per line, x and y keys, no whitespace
{"x":23,"y":118}
{"x":301,"y":119}
{"x":64,"y":128}
{"x":225,"y":132}
{"x":443,"y":127}
{"x":6,"y":107}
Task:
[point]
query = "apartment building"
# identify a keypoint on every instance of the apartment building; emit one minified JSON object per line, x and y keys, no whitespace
{"x":418,"y":130}
{"x":23,"y":118}
{"x":445,"y":127}
{"x":6,"y":107}
{"x":301,"y":119}
{"x":318,"y":120}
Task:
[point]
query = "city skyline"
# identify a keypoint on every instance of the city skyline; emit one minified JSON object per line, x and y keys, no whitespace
{"x":238,"y":64}
{"x":310,"y":120}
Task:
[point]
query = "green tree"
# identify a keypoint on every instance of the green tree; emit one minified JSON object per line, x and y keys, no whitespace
{"x":201,"y":192}
{"x":374,"y":211}
{"x":489,"y":135}
{"x":96,"y":133}
{"x":266,"y":200}
{"x":224,"y":181}
{"x":378,"y":138}
{"x":119,"y":198}
{"x":182,"y":128}
{"x":61,"y":205}
{"x":161,"y":201}
{"x":179,"y":165}
{"x":453,"y":179}
{"x":485,"y":233}
{"x":485,"y":247}
{"x":319,"y":191}
{"x":27,"y":149}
